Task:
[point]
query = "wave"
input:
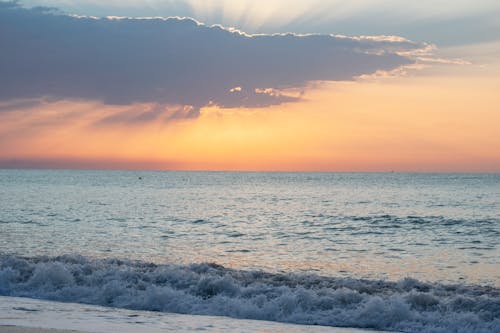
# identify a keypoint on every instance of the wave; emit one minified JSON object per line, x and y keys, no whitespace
{"x":408,"y":305}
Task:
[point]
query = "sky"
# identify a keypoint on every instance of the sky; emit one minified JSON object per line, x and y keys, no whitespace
{"x":321,"y":85}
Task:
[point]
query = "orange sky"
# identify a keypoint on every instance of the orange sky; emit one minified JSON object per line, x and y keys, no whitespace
{"x":445,"y":118}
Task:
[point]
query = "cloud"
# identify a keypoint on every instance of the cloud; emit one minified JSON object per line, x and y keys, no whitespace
{"x":18,"y":105}
{"x":174,"y":61}
{"x":463,"y":22}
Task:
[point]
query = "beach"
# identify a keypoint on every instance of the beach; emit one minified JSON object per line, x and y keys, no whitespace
{"x":22,"y":315}
{"x":20,"y":329}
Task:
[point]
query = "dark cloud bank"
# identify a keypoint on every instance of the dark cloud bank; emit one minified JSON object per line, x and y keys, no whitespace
{"x":171,"y":61}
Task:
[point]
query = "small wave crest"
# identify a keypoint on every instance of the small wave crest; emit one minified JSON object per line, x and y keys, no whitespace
{"x":209,"y":289}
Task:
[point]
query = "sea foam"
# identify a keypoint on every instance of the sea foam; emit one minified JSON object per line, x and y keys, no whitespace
{"x":209,"y":289}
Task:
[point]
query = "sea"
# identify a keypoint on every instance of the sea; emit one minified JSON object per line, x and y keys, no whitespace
{"x":399,"y":252}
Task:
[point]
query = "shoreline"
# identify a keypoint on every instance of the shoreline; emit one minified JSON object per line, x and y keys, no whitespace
{"x":24,"y":329}
{"x":27,"y":315}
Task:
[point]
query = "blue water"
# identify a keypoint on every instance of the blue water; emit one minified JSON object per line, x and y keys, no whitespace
{"x":420,"y":251}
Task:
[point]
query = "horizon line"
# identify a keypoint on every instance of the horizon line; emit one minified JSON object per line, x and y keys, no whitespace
{"x":3,"y":168}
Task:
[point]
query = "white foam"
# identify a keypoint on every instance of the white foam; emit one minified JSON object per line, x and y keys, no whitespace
{"x":207,"y":289}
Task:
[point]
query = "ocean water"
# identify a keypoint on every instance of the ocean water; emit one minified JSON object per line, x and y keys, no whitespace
{"x":401,"y":252}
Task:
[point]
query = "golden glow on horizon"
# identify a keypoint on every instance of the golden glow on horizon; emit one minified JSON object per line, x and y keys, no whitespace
{"x":424,"y":123}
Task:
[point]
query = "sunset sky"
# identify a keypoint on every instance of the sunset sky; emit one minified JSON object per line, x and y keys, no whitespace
{"x":251,"y":85}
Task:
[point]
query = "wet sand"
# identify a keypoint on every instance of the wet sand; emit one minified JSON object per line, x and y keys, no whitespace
{"x":19,"y":329}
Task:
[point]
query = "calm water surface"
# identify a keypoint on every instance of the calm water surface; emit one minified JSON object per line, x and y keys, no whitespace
{"x":432,"y":227}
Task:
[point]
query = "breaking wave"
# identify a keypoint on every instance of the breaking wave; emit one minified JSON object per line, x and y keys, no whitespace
{"x":209,"y":289}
